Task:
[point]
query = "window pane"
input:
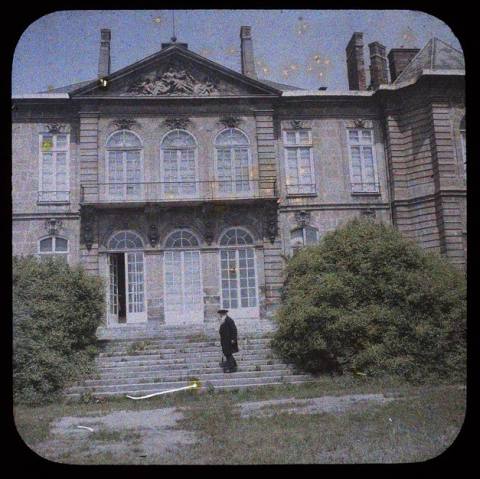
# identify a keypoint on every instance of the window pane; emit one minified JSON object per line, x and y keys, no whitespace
{"x":290,"y":137}
{"x":353,"y":136}
{"x":46,"y":245}
{"x":311,"y":235}
{"x":47,"y":142}
{"x":304,"y":136}
{"x":61,"y":142}
{"x":61,"y":244}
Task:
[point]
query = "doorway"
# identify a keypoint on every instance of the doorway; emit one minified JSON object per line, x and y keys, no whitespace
{"x":126,"y":285}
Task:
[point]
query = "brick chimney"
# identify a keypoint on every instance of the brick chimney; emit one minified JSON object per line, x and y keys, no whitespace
{"x":378,"y":65}
{"x":355,"y":63}
{"x":398,"y":59}
{"x":246,"y":51}
{"x":104,"y":57}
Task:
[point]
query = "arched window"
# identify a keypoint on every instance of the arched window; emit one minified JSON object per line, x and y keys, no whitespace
{"x":124,"y":163}
{"x":236,"y":237}
{"x":238,"y":269}
{"x":125,"y":240}
{"x":299,"y":237}
{"x":233,"y":161}
{"x":181,"y":239}
{"x":53,"y":245}
{"x":179,"y":169}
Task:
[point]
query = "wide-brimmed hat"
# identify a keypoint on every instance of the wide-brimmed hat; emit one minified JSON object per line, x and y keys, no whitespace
{"x":222,"y":311}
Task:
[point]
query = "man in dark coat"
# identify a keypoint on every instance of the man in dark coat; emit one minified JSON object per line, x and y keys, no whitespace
{"x":228,"y":340}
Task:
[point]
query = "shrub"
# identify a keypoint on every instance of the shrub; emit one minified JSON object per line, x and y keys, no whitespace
{"x":56,"y":310}
{"x":368,"y":300}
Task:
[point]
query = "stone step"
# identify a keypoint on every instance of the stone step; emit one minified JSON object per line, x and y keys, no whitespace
{"x":155,"y":385}
{"x":184,"y":376}
{"x":180,"y":350}
{"x":207,"y":356}
{"x":179,"y":364}
{"x":77,"y":395}
{"x":148,"y":371}
{"x":143,"y":333}
{"x":179,"y":344}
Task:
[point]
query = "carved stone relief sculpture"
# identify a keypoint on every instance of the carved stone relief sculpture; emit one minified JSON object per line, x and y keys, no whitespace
{"x":173,"y":82}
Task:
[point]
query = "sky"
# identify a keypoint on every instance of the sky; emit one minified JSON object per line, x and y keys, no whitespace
{"x":305,"y":48}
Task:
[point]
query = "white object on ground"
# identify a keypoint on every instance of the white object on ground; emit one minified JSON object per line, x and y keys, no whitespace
{"x":86,"y":427}
{"x":194,"y":385}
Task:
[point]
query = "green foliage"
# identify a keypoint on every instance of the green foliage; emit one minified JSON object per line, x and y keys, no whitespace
{"x":56,"y":310}
{"x":368,"y":300}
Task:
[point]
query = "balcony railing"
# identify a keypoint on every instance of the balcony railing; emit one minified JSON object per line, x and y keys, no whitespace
{"x":368,"y":188}
{"x":177,"y":191}
{"x":54,"y":197}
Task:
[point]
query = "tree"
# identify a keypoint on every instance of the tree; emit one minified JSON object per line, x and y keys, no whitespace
{"x":367,"y":299}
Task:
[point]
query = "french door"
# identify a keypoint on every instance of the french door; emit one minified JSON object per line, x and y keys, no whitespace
{"x":239,"y":283}
{"x":124,"y":174}
{"x":127,"y":287}
{"x":183,"y":287}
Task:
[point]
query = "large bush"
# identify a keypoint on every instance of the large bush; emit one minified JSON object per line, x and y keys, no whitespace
{"x":368,"y":300}
{"x":56,"y":310}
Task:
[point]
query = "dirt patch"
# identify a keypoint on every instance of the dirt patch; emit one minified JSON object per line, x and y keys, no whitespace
{"x":325,"y":404}
{"x":123,"y":436}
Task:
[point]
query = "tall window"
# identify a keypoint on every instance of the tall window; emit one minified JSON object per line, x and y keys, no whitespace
{"x":53,"y":246}
{"x":124,"y":152}
{"x":363,"y":170}
{"x":232,"y":147}
{"x":179,"y":170}
{"x":237,"y":261}
{"x":463,"y":139}
{"x":304,"y":236}
{"x":299,"y":162}
{"x":54,"y":181}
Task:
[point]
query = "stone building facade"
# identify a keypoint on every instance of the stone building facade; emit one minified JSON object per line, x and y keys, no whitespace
{"x":186,"y":185}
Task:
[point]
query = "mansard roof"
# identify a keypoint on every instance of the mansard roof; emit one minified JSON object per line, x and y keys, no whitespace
{"x":435,"y":56}
{"x":166,"y":72}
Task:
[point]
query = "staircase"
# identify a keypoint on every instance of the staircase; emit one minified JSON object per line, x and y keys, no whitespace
{"x":143,"y":366}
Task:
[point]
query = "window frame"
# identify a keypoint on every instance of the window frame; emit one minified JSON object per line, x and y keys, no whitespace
{"x":236,"y":247}
{"x":53,"y":252}
{"x":232,"y":148}
{"x":312,"y":187}
{"x":124,"y":150}
{"x":54,"y":150}
{"x":363,"y":188}
{"x":304,"y":237}
{"x":163,"y":182}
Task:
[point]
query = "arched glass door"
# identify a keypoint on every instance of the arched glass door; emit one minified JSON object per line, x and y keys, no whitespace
{"x":126,"y":279}
{"x":182,"y":279}
{"x":238,"y":273}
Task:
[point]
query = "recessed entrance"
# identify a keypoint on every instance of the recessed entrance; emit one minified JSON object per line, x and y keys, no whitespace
{"x":126,"y":280}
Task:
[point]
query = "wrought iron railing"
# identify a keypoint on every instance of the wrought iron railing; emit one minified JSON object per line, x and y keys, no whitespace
{"x":174,"y":191}
{"x":373,"y":187}
{"x":54,"y":196}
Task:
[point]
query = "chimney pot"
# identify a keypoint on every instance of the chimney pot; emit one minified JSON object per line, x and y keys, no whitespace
{"x":246,"y":52}
{"x":355,"y":63}
{"x":104,"y":56}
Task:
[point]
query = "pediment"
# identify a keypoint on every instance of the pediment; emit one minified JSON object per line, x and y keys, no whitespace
{"x":176,"y":72}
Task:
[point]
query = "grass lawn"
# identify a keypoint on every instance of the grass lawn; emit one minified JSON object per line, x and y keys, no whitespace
{"x":418,"y":425}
